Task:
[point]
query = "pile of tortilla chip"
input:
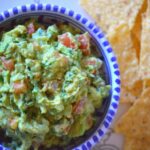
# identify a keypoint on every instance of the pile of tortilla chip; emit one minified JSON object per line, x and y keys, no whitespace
{"x":126,"y":24}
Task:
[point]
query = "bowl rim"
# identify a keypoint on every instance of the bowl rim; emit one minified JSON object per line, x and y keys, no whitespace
{"x":106,"y":51}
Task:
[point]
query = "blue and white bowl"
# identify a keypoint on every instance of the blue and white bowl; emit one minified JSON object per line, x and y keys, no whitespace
{"x":48,"y":14}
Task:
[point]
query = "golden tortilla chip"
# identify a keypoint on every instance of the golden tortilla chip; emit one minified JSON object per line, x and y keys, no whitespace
{"x":136,"y":31}
{"x":127,"y":96}
{"x":145,"y":46}
{"x":110,"y":13}
{"x":136,"y":144}
{"x":122,"y":44}
{"x":146,"y":83}
{"x":136,"y":122}
{"x":130,"y":96}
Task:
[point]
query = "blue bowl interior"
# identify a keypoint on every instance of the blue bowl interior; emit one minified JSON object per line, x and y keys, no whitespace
{"x":48,"y":19}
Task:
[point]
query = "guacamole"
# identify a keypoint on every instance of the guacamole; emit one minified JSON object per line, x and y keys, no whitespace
{"x":50,"y":85}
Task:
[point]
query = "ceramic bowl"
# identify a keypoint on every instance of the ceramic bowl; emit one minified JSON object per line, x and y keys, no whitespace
{"x":49,"y":14}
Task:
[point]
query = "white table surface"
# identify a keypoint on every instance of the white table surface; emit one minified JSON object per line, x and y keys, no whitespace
{"x":111,"y":141}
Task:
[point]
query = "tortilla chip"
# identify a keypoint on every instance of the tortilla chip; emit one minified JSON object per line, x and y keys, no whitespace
{"x":146,"y":83}
{"x":136,"y":31}
{"x":136,"y":122}
{"x":136,"y":144}
{"x":145,"y":46}
{"x":127,"y":96}
{"x":122,"y":44}
{"x":109,"y":14}
{"x":137,"y":88}
{"x":136,"y":35}
{"x":130,"y":96}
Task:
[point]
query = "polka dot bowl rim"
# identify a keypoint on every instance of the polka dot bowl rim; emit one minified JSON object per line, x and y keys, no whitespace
{"x":106,"y":51}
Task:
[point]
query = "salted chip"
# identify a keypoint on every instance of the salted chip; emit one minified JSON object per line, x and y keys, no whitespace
{"x":146,"y":83}
{"x":136,"y":122}
{"x":145,"y":46}
{"x":130,"y":96}
{"x":127,"y":96}
{"x":136,"y":144}
{"x":110,"y":13}
{"x":136,"y":37}
{"x":136,"y":30}
{"x":122,"y":44}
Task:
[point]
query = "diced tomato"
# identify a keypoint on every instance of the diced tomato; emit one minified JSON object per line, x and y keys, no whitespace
{"x":94,"y":72}
{"x":84,"y":44}
{"x":30,"y":28}
{"x":86,"y":52}
{"x":84,"y":41}
{"x":72,"y":45}
{"x":78,"y":107}
{"x":91,"y":62}
{"x":8,"y":64}
{"x":65,"y":40}
{"x":19,"y":87}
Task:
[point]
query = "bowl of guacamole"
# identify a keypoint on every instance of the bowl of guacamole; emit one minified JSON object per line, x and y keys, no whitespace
{"x":57,"y":80}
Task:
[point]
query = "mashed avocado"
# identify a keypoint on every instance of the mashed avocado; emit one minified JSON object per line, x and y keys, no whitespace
{"x":50,"y":85}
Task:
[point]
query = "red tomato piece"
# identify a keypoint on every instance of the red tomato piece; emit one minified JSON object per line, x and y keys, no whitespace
{"x":94,"y":72}
{"x":8,"y":64}
{"x":91,"y":62}
{"x":84,"y":41}
{"x":30,"y":28}
{"x":66,"y":40}
{"x":19,"y":87}
{"x":86,"y":52}
{"x":78,"y":107}
{"x":84,"y":44}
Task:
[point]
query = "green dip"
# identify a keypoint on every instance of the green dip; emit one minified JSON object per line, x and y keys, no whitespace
{"x":50,"y":85}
